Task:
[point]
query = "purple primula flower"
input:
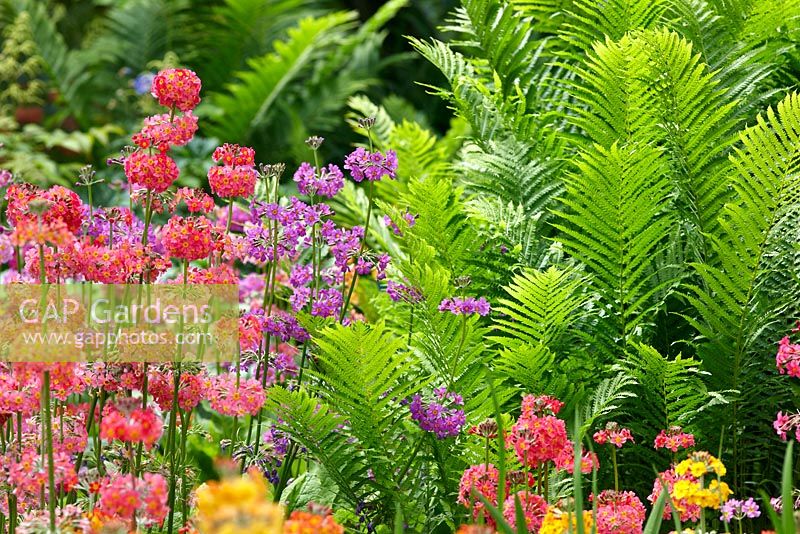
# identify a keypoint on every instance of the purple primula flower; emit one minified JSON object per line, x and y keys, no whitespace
{"x":5,"y":177}
{"x":371,"y":165}
{"x":251,"y":285}
{"x":327,"y":303}
{"x":284,"y":327}
{"x":327,"y":184}
{"x":737,"y":509}
{"x":440,"y":415}
{"x":465,"y":306}
{"x":398,"y":292}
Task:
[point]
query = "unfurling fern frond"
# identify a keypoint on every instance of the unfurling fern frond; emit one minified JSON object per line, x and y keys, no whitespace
{"x":616,"y":220}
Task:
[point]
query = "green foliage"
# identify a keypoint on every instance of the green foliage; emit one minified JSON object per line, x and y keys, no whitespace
{"x":259,"y":87}
{"x":617,"y":221}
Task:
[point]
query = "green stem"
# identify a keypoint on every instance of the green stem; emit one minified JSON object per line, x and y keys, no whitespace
{"x":184,"y":431}
{"x":47,"y":423}
{"x":614,"y":462}
{"x":173,"y":424}
{"x":361,"y":248}
{"x":148,"y":213}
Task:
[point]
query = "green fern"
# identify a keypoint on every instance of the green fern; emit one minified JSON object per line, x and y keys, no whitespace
{"x":544,"y":306}
{"x":673,"y":390}
{"x":608,"y":398}
{"x":244,"y":108}
{"x":590,"y":21}
{"x":316,"y":428}
{"x":618,"y":219}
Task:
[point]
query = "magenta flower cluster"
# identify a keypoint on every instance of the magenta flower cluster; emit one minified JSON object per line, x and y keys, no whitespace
{"x":739,"y":509}
{"x":402,"y":292}
{"x":465,"y":306}
{"x":327,"y":183}
{"x":371,"y":165}
{"x":440,"y":415}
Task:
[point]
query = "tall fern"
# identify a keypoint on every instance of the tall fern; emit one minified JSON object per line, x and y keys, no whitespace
{"x":616,"y":220}
{"x":732,"y":308}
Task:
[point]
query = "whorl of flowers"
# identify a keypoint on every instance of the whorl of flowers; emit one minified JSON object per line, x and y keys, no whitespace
{"x":785,"y":423}
{"x":316,"y":519}
{"x":372,"y":166}
{"x":191,"y":389}
{"x":673,"y":438}
{"x":613,"y":434}
{"x":692,"y":489}
{"x":233,"y":181}
{"x":188,"y":238}
{"x":28,"y":473}
{"x":688,"y":511}
{"x":61,"y":205}
{"x":231,"y":399}
{"x":540,"y":405}
{"x":196,"y":200}
{"x":326,"y":183}
{"x":566,"y":460}
{"x":738,"y":510}
{"x":619,"y":512}
{"x":465,"y":306}
{"x":483,"y":479}
{"x":121,"y":496}
{"x":179,"y":88}
{"x":162,"y":131}
{"x":241,"y":504}
{"x":788,"y":358}
{"x":127,"y":421}
{"x":441,"y":416}
{"x":232,"y":155}
{"x":537,"y":439}
{"x":155,"y":172}
{"x":560,"y":522}
{"x":533,"y":506}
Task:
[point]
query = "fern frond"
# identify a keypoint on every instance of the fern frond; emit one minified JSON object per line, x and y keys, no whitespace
{"x":542,"y":306}
{"x":766,"y":187}
{"x":247,"y":102}
{"x":617,"y":219}
{"x":607,"y":398}
{"x":591,"y":21}
{"x":672,"y":390}
{"x":312,"y":424}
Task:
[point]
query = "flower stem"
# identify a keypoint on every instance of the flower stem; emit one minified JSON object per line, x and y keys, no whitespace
{"x":616,"y":472}
{"x":47,"y":423}
{"x":148,"y":213}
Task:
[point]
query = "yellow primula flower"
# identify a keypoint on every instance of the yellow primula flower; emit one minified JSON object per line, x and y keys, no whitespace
{"x":240,"y":505}
{"x":558,"y":522}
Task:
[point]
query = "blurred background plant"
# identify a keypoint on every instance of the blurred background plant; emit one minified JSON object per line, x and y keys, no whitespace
{"x":72,"y":73}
